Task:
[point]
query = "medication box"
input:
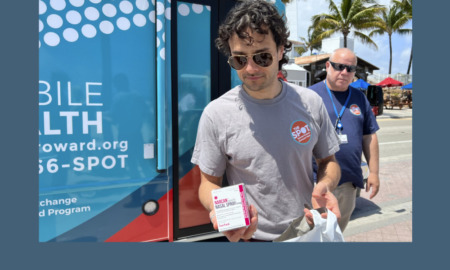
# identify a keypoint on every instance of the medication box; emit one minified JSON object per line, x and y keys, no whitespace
{"x":231,"y":207}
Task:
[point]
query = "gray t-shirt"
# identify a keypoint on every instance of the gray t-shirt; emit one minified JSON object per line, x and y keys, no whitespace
{"x":268,"y":145}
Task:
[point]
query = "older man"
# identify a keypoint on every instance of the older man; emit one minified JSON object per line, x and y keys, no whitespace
{"x":356,"y":126}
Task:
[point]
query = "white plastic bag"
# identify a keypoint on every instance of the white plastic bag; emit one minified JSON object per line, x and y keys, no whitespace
{"x":325,"y":230}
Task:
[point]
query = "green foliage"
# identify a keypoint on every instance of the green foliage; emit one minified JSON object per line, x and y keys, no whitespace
{"x":406,"y":8}
{"x":311,"y":42}
{"x":390,"y":22}
{"x":300,"y":50}
{"x":351,"y":15}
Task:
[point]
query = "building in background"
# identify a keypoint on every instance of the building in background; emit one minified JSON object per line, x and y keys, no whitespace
{"x":333,"y":43}
{"x":292,"y":17}
{"x":293,"y":53}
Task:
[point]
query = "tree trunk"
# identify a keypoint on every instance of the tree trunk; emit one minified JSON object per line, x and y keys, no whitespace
{"x":390,"y":54}
{"x":410,"y":62}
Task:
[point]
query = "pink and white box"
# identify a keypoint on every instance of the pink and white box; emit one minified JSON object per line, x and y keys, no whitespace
{"x":231,"y":207}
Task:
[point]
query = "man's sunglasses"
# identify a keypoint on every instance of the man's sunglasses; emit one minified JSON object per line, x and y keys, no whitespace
{"x":341,"y":67}
{"x":238,"y":62}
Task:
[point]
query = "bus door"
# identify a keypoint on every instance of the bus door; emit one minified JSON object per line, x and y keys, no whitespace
{"x":201,"y":74}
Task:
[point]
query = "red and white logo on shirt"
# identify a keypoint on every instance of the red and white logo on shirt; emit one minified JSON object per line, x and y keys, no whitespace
{"x":300,"y":132}
{"x":354,"y":109}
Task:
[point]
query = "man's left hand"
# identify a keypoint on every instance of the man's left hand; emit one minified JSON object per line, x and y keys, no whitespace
{"x":322,"y":197}
{"x":373,"y":182}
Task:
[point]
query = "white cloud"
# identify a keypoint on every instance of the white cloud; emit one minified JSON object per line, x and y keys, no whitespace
{"x":403,"y":61}
{"x":306,"y":9}
{"x":378,"y":58}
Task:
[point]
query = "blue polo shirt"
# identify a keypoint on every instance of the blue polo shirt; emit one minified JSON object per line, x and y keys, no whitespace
{"x":357,"y":120}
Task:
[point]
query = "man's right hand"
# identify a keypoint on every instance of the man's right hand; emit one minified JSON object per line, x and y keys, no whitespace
{"x":241,"y":233}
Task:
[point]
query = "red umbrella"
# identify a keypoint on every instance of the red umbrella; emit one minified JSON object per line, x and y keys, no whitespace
{"x":389,"y":82}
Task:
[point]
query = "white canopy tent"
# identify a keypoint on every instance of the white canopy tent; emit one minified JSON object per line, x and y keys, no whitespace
{"x":296,"y":74}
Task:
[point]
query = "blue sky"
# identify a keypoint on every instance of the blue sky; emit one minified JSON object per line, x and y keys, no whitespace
{"x":401,"y":44}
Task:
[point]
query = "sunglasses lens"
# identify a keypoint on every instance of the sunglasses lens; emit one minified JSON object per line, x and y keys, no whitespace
{"x":351,"y":68}
{"x":263,"y":59}
{"x":337,"y":67}
{"x":341,"y":67}
{"x":237,"y":62}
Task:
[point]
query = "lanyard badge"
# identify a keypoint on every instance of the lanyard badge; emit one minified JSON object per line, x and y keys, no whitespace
{"x":338,"y":125}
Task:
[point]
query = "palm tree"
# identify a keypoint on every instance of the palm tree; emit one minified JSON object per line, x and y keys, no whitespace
{"x":406,"y":7}
{"x":356,"y":15}
{"x":311,"y":42}
{"x":391,"y":21}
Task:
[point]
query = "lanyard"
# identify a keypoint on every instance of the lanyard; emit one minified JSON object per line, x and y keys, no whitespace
{"x":338,"y":120}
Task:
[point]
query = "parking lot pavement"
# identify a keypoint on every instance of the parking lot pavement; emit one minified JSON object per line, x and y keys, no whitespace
{"x":388,"y":216}
{"x":396,"y":113}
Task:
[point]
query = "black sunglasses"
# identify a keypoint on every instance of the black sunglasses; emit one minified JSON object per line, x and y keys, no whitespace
{"x":341,"y":67}
{"x":238,"y":62}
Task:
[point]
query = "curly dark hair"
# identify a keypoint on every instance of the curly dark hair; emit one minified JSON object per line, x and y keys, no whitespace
{"x":260,"y":16}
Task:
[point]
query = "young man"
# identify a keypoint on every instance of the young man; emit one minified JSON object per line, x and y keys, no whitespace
{"x":356,"y":126}
{"x":264,"y":132}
